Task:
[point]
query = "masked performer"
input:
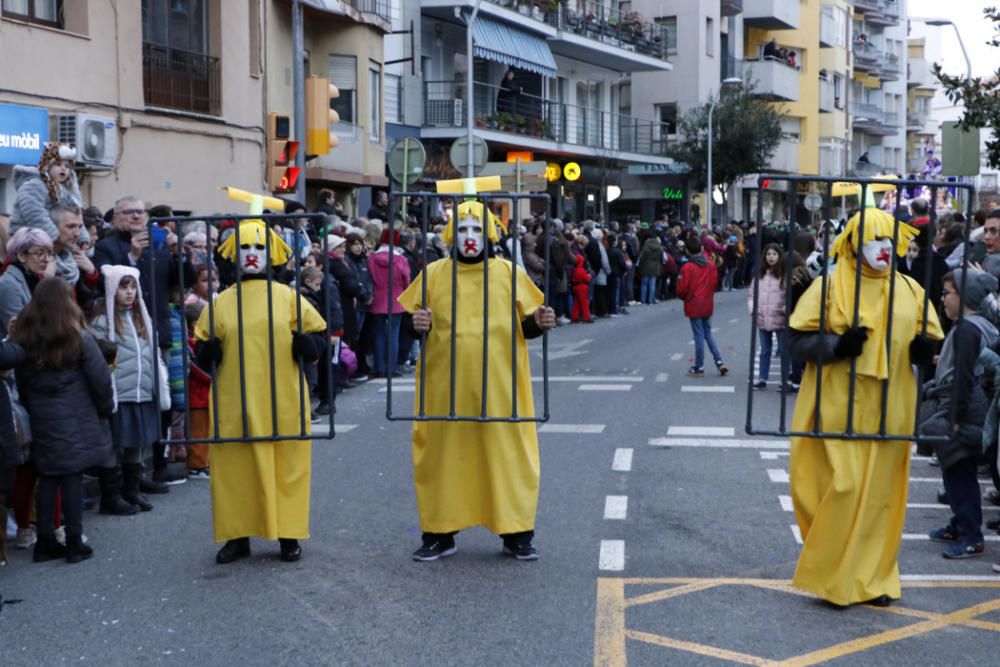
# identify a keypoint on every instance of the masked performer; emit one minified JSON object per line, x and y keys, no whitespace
{"x":476,"y":473}
{"x":850,"y":495}
{"x":259,"y":488}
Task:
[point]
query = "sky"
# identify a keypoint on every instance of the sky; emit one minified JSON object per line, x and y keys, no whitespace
{"x":973,"y":27}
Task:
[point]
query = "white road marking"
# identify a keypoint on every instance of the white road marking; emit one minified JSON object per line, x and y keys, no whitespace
{"x":778,"y":476}
{"x":919,"y":536}
{"x":605,"y":387}
{"x":399,"y":388}
{"x":948,"y":577}
{"x":715,"y":431}
{"x":662,"y":377}
{"x":786,"y":503}
{"x":571,"y":428}
{"x":772,"y":456}
{"x":797,"y":532}
{"x":937,"y":480}
{"x":708,"y":389}
{"x":338,"y":429}
{"x":719,"y":443}
{"x":675,"y":356}
{"x":612,"y":555}
{"x":591,"y":378}
{"x":927,"y":506}
{"x":623,"y":459}
{"x":735,"y":319}
{"x":615,"y":507}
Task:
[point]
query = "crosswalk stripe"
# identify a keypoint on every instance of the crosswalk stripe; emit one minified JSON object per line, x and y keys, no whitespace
{"x":920,"y":537}
{"x":772,"y":456}
{"x":662,"y":377}
{"x":605,"y":387}
{"x":612,"y":555}
{"x":708,"y":389}
{"x":719,"y":443}
{"x":675,"y":356}
{"x":778,"y":476}
{"x":786,"y":503}
{"x":797,"y":533}
{"x":615,"y":507}
{"x":715,"y":431}
{"x":623,"y":460}
{"x":571,"y":428}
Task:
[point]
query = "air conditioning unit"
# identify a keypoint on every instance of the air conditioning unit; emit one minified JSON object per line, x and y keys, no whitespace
{"x":94,"y":137}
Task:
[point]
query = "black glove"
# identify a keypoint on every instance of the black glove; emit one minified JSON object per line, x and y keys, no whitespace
{"x":922,"y":350}
{"x":851,"y":342}
{"x":302,"y":347}
{"x":208,"y":353}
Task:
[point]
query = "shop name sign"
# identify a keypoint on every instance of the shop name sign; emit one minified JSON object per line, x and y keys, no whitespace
{"x":23,"y":133}
{"x":673,"y":194}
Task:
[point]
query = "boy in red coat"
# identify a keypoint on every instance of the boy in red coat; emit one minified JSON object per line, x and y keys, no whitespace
{"x":581,"y":303}
{"x":696,"y":287}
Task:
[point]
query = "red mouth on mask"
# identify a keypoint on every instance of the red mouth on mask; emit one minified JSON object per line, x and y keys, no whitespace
{"x":471,"y":247}
{"x":251,"y":262}
{"x":883,"y":256}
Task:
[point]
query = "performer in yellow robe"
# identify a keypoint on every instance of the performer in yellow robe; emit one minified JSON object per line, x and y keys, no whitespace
{"x":470,"y":473}
{"x":259,"y":489}
{"x":850,"y":495}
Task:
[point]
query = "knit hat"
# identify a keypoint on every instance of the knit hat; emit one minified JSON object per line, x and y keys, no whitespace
{"x":978,"y":286}
{"x":113,"y":276}
{"x":333,"y":242}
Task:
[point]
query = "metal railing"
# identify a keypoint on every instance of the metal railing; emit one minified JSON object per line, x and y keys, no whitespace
{"x":867,"y":55}
{"x":731,"y":67}
{"x":532,"y":116}
{"x":183,"y":80}
{"x":916,"y":118}
{"x":628,"y":30}
{"x":381,"y":8}
{"x":891,"y":69}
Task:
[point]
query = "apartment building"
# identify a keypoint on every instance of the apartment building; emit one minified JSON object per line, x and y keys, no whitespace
{"x":921,"y":128}
{"x":569,"y":101}
{"x":160,"y":101}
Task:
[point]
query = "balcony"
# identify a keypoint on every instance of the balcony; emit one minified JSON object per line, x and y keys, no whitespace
{"x":786,"y":157}
{"x":528,"y":120}
{"x":175,"y":79}
{"x":867,"y":6}
{"x":867,"y":57}
{"x":730,"y":7}
{"x":890,"y":70}
{"x":827,"y":95}
{"x":775,"y":80}
{"x":828,"y":36}
{"x":380,"y":8}
{"x":919,"y":75}
{"x":771,"y":14}
{"x":887,"y":13}
{"x":831,"y":157}
{"x":871,"y":119}
{"x":730,"y":67}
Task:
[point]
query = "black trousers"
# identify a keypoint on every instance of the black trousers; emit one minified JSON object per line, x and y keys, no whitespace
{"x":962,"y":486}
{"x":72,"y":503}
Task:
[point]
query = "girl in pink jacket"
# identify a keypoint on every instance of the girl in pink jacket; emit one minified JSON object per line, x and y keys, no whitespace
{"x":770,"y":308}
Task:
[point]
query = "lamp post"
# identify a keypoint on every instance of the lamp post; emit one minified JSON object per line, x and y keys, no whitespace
{"x":469,"y":92}
{"x":730,"y":82}
{"x":937,"y":22}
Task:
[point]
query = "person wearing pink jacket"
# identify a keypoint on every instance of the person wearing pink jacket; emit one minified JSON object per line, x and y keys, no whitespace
{"x":770,"y":308}
{"x":386,"y":317}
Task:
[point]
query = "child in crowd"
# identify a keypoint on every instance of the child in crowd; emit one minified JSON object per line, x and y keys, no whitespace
{"x":136,"y":422}
{"x":696,"y":287}
{"x":770,"y":308}
{"x":199,"y":391}
{"x":581,"y":285}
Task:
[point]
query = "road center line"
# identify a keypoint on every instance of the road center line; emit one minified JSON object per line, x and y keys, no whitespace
{"x":615,"y":507}
{"x":786,"y":503}
{"x":605,"y":387}
{"x":778,"y":476}
{"x":571,"y":428}
{"x":715,"y":431}
{"x":675,"y":356}
{"x":708,"y":389}
{"x":623,"y":460}
{"x":797,"y":532}
{"x":612,"y":555}
{"x":772,"y":456}
{"x":921,"y":536}
{"x":662,"y":377}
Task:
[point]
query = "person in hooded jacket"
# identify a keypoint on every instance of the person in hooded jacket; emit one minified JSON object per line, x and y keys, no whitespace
{"x":696,"y":288}
{"x":580,"y":282}
{"x":65,"y":386}
{"x":650,"y":258}
{"x":38,"y":190}
{"x":358,"y":335}
{"x":385,"y":310}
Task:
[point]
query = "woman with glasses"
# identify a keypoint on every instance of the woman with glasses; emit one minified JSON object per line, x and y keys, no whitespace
{"x":29,"y":253}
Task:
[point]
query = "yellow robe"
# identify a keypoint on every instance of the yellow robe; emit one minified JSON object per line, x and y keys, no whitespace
{"x":466,"y":473}
{"x":259,"y":489}
{"x":850,"y":495}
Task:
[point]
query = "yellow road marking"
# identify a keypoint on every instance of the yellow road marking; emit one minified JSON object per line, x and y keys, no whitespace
{"x":609,"y":624}
{"x":700,"y":649}
{"x":668,"y":593}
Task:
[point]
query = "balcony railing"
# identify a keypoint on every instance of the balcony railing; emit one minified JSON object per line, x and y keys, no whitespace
{"x":866,"y":6}
{"x":628,"y":30}
{"x":892,"y":9}
{"x":381,"y":8}
{"x":786,"y":157}
{"x":730,"y":7}
{"x":182,"y":80}
{"x":867,"y":57}
{"x":827,"y":103}
{"x":731,"y":67}
{"x":866,"y":113}
{"x":890,"y":70}
{"x":532,"y":116}
{"x":828,"y":28}
{"x":775,"y":79}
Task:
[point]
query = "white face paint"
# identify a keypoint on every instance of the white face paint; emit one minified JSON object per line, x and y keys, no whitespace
{"x":469,"y":237}
{"x":878,"y":254}
{"x":253,"y":258}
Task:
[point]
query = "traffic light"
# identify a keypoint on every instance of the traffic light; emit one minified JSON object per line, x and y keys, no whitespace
{"x":282,"y":174}
{"x":320,"y":116}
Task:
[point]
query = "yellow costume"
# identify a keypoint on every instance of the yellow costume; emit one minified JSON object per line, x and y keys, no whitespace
{"x":850,"y":495}
{"x":260,"y":488}
{"x":466,"y":473}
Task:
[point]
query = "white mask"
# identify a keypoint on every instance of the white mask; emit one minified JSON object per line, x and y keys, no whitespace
{"x":470,"y":237}
{"x":878,"y":254}
{"x":253,"y":258}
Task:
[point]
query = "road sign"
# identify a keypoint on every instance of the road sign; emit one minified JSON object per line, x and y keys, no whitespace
{"x":571,"y":171}
{"x":529,"y":175}
{"x":813,"y":202}
{"x":406,"y":161}
{"x":459,"y":156}
{"x":553,"y":171}
{"x":959,"y":150}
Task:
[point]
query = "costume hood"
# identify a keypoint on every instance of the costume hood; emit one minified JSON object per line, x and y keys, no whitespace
{"x":491,"y":226}
{"x":113,"y":275}
{"x":254,"y":232}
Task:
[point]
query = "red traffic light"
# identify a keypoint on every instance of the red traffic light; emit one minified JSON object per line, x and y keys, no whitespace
{"x":289,"y":179}
{"x":766,"y":183}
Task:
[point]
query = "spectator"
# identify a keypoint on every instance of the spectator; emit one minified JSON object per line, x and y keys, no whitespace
{"x":65,"y":386}
{"x":380,"y":209}
{"x":507,"y":96}
{"x":386,"y":311}
{"x":697,"y":288}
{"x":72,"y":263}
{"x":357,"y":260}
{"x":581,"y":302}
{"x":649,"y":268}
{"x":38,"y":190}
{"x":770,"y":306}
{"x":29,"y":254}
{"x":771,"y":50}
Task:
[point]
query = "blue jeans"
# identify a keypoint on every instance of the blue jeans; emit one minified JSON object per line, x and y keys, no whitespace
{"x":648,"y":289}
{"x":702,"y":329}
{"x":962,"y":487}
{"x":382,"y":365}
{"x":766,"y":345}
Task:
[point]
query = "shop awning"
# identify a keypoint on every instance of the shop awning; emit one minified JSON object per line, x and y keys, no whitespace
{"x":509,"y":45}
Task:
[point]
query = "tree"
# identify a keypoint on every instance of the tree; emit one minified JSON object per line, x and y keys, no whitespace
{"x":980,"y":98}
{"x":747,"y":131}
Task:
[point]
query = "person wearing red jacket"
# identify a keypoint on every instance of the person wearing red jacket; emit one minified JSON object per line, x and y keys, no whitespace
{"x":581,"y":296}
{"x":696,"y":288}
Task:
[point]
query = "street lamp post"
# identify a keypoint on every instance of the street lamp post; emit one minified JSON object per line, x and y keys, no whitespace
{"x":469,"y":92}
{"x":735,"y":83}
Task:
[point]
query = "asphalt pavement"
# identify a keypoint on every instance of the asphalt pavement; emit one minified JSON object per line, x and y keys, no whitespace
{"x":665,"y":534}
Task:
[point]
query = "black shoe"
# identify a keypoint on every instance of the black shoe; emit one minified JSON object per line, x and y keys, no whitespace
{"x":760,"y":384}
{"x":167,"y":478}
{"x":880,"y":601}
{"x":520,"y":550}
{"x":233,"y":550}
{"x":290,"y":550}
{"x":132,"y":484}
{"x":76,"y":550}
{"x":437,"y":549}
{"x":152,"y":486}
{"x":942,"y":498}
{"x":323,"y":410}
{"x":111,"y":499}
{"x":46,"y":549}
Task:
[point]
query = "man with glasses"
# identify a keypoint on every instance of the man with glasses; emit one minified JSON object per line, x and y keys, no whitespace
{"x":991,"y":237}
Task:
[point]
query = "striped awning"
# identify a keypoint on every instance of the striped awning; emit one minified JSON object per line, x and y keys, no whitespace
{"x":509,"y":45}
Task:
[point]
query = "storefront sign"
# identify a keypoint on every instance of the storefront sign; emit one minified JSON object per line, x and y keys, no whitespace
{"x":673,"y":194}
{"x":523,"y":156}
{"x":571,"y":171}
{"x":657,"y":169}
{"x":23,"y":133}
{"x":553,"y":172}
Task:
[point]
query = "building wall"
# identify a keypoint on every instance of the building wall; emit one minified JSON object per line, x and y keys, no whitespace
{"x":165,"y":157}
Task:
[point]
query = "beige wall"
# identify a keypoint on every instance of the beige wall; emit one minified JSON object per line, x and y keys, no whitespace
{"x":165,"y":157}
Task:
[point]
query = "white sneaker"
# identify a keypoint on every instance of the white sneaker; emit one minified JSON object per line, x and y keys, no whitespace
{"x":60,"y":534}
{"x":26,"y":538}
{"x":563,"y":320}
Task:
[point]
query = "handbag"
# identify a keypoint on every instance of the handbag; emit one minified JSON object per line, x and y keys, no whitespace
{"x":22,"y":421}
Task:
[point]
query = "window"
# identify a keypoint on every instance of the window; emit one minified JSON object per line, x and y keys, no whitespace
{"x":178,"y":72}
{"x":667,"y":114}
{"x":344,"y":75}
{"x":669,"y":26}
{"x":255,"y":65}
{"x":838,"y":91}
{"x":393,"y":98}
{"x":709,"y":36}
{"x":375,"y":98}
{"x":45,"y":12}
